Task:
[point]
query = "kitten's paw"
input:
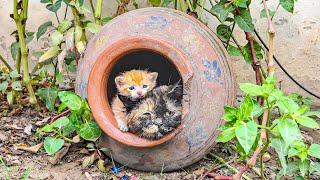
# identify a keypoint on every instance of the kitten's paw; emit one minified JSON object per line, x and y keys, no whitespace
{"x":123,"y":127}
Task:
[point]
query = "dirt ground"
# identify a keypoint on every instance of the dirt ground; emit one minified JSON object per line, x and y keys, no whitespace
{"x":18,"y":125}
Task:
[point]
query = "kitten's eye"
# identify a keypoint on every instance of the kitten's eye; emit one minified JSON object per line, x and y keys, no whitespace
{"x":131,"y":88}
{"x":169,"y":113}
{"x":145,"y":86}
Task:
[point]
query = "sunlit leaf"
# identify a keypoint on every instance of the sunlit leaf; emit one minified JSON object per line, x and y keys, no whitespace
{"x":52,"y":145}
{"x":244,"y":21}
{"x":246,"y":135}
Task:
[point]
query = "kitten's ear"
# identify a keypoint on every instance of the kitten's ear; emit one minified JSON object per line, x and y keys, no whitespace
{"x":153,"y":76}
{"x":119,"y":80}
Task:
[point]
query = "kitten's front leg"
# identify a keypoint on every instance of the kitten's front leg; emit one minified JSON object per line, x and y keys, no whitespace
{"x":122,"y":125}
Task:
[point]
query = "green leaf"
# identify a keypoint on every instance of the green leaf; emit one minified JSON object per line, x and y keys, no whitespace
{"x":287,"y":105}
{"x":155,"y":2}
{"x":244,"y":21}
{"x":246,"y":135}
{"x":230,"y":113}
{"x":314,"y":151}
{"x":47,"y":128}
{"x":240,"y":3}
{"x":56,"y":38}
{"x":64,"y":25}
{"x":292,"y":168}
{"x":106,"y":19}
{"x":61,"y":107}
{"x":221,"y":10}
{"x":70,"y":99}
{"x":247,"y":55}
{"x":251,"y":89}
{"x":52,"y":145}
{"x":165,"y":3}
{"x":234,"y":51}
{"x":313,"y":114}
{"x":61,"y":122}
{"x":263,"y":13}
{"x":59,"y":77}
{"x":289,"y":130}
{"x":314,"y":168}
{"x":14,"y":49}
{"x":307,"y":122}
{"x":301,"y":149}
{"x":69,"y":128}
{"x":54,"y":7}
{"x":11,"y":97}
{"x":3,"y":86}
{"x":16,"y":85}
{"x":48,"y":96}
{"x":224,"y":32}
{"x":52,"y":52}
{"x":281,"y":148}
{"x":29,"y":37}
{"x":304,"y":167}
{"x":245,"y":109}
{"x":288,"y":5}
{"x":90,"y":131}
{"x":45,"y":1}
{"x":93,"y":27}
{"x":14,"y":74}
{"x":226,"y":135}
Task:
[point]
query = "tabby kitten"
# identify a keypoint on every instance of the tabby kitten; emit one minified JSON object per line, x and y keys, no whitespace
{"x":158,"y":114}
{"x":133,"y":85}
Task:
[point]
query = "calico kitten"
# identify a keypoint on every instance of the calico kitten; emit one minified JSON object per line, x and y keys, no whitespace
{"x":157,"y":114}
{"x":134,"y":85}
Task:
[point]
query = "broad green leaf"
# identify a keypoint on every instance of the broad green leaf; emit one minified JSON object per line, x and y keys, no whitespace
{"x":52,"y":145}
{"x":244,"y":21}
{"x":61,"y":107}
{"x":14,"y":74}
{"x":224,"y":32}
{"x":155,"y":2}
{"x":52,"y":52}
{"x":48,"y":96}
{"x":314,"y":151}
{"x":288,"y":5}
{"x":45,"y":1}
{"x":11,"y":97}
{"x":267,"y":89}
{"x":226,"y":135}
{"x":69,"y":128}
{"x":93,"y":27}
{"x":3,"y":86}
{"x":246,"y":135}
{"x":222,"y":10}
{"x":29,"y":37}
{"x":263,"y":13}
{"x":289,"y":130}
{"x":287,"y":105}
{"x":54,"y":7}
{"x":14,"y":49}
{"x":16,"y":85}
{"x":75,"y":120}
{"x":313,"y":114}
{"x":240,"y":3}
{"x":90,"y":131}
{"x":56,"y":38}
{"x":301,"y":149}
{"x":64,"y":25}
{"x":234,"y":51}
{"x":106,"y":19}
{"x":61,"y":122}
{"x":47,"y":128}
{"x":59,"y":77}
{"x":314,"y":168}
{"x":304,"y":167}
{"x":251,"y":89}
{"x":293,"y":152}
{"x":70,"y":99}
{"x":245,"y":109}
{"x":271,"y":79}
{"x":281,"y":148}
{"x":307,"y":122}
{"x":247,"y":55}
{"x":292,"y":168}
{"x":257,"y":110}
{"x":230,"y":113}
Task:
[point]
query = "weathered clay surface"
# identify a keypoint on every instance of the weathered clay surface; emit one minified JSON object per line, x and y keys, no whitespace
{"x":206,"y":74}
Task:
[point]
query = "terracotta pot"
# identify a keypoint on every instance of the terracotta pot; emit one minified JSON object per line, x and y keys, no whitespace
{"x":202,"y":63}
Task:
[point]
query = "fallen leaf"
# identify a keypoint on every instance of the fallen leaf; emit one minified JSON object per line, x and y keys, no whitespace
{"x":33,"y":149}
{"x":14,"y":126}
{"x":59,"y":155}
{"x":101,"y":166}
{"x":88,"y":176}
{"x":76,"y":139}
{"x":89,"y":159}
{"x":28,"y":129}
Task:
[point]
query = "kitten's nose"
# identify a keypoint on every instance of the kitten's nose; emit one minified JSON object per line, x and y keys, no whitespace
{"x":139,"y":93}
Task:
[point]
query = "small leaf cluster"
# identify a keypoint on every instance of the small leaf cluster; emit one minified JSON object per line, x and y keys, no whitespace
{"x":78,"y":123}
{"x":11,"y":85}
{"x":284,"y":134}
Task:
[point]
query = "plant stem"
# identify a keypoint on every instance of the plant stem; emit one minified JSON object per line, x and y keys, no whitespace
{"x":182,"y":5}
{"x":64,"y":113}
{"x":175,"y":4}
{"x":20,"y":20}
{"x":18,"y":61}
{"x":98,"y":11}
{"x":190,"y":6}
{"x":5,"y":63}
{"x":65,"y":12}
{"x":57,"y":18}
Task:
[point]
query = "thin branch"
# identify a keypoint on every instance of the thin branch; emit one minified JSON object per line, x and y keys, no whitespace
{"x":255,"y":63}
{"x":64,"y":113}
{"x":5,"y":63}
{"x":57,"y":17}
{"x":65,"y":12}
